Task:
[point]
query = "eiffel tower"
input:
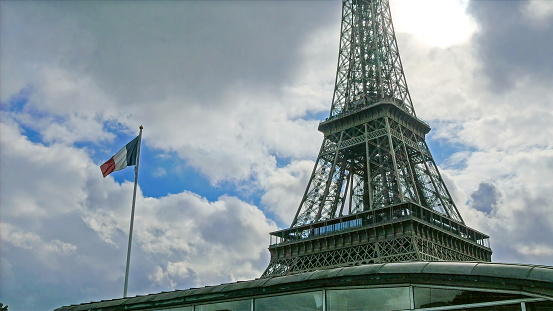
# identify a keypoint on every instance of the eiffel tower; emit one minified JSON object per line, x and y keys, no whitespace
{"x":375,"y":194}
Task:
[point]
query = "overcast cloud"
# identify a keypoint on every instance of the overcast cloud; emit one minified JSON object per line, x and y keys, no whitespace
{"x":230,"y":94}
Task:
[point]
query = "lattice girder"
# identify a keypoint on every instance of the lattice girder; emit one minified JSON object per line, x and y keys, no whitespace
{"x":375,"y":193}
{"x":378,"y":160}
{"x":404,"y":238}
{"x":369,"y":65}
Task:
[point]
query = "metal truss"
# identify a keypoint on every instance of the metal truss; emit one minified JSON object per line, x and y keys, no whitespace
{"x":375,"y":193}
{"x":371,"y":159}
{"x":369,"y":66}
{"x":373,"y":155}
{"x":403,"y":239}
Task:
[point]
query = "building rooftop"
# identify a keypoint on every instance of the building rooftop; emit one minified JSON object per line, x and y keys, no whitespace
{"x":531,"y":279}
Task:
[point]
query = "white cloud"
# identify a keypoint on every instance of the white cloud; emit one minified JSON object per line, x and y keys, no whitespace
{"x":284,"y":189}
{"x":440,"y":23}
{"x":233,"y":91}
{"x":522,"y":214}
{"x":83,"y":218}
{"x":539,"y":12}
{"x":208,"y":106}
{"x":501,"y":129}
{"x":536,"y":250}
{"x":195,"y":234}
{"x":60,"y":247}
{"x":160,"y":277}
{"x":442,"y":82}
{"x":22,"y":164}
{"x":65,"y":108}
{"x":49,"y":252}
{"x":25,"y":240}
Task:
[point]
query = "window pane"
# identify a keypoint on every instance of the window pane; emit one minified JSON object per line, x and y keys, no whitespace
{"x":515,"y":307}
{"x":303,"y":301}
{"x":539,"y":306}
{"x":436,"y":297}
{"x":373,"y":299}
{"x":241,"y":305}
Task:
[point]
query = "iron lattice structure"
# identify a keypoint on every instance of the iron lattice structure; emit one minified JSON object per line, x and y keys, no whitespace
{"x":375,"y":193}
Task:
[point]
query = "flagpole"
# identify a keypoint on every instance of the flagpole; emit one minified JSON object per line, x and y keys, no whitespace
{"x":132,"y":213}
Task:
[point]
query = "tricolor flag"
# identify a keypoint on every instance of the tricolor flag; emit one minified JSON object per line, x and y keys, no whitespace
{"x":127,"y":156}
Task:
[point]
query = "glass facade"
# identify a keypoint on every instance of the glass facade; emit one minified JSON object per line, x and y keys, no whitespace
{"x":311,"y":301}
{"x":540,"y":306}
{"x":513,"y":307}
{"x":438,"y":297}
{"x":240,"y":305}
{"x":381,"y":299}
{"x":374,"y":299}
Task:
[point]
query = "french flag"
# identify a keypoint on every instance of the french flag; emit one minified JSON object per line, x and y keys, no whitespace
{"x":127,"y":156}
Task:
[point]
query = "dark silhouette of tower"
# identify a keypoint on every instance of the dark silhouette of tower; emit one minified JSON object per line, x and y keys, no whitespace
{"x":375,"y":193}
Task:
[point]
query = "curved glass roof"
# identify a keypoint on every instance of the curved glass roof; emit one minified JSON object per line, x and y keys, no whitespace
{"x":532,"y":279}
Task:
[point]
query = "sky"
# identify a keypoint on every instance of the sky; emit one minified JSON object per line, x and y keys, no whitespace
{"x":230,"y":94}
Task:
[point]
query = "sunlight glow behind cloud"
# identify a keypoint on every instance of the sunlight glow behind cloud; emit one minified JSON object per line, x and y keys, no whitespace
{"x":230,"y":94}
{"x":440,"y":23}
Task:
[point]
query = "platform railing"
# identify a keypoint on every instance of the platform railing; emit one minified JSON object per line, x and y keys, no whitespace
{"x":377,"y":217}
